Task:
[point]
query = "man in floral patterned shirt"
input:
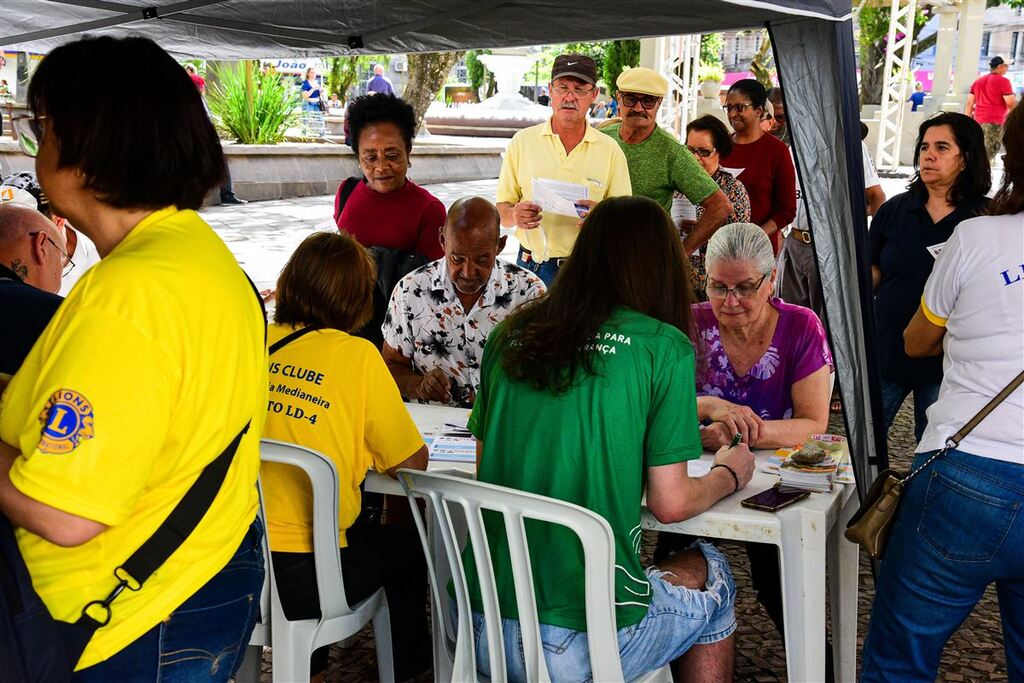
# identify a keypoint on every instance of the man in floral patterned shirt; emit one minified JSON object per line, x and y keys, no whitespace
{"x":441,"y":314}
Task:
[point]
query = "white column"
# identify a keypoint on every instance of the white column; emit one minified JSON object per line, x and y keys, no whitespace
{"x":944,"y":41}
{"x":650,"y":50}
{"x":972,"y":23}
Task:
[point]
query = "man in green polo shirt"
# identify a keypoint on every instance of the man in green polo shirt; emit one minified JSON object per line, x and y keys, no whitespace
{"x":658,"y":164}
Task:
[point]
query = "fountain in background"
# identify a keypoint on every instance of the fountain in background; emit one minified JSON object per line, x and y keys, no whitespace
{"x":501,"y":115}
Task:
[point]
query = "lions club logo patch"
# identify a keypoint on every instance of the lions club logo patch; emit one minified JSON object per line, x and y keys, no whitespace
{"x":67,"y":421}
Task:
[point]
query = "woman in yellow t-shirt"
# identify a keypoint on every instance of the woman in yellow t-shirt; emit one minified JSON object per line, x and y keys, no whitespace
{"x":149,"y":369}
{"x":331,"y":392}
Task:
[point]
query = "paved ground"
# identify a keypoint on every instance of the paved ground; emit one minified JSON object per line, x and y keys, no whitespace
{"x":263,"y":234}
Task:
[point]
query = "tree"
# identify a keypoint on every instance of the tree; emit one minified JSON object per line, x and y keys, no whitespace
{"x":478,"y":74}
{"x":711,"y":45}
{"x":763,"y":63}
{"x":427,"y":73}
{"x":619,"y":54}
{"x":342,"y":72}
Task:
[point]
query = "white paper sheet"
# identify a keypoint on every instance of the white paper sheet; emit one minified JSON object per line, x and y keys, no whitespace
{"x":734,"y":172}
{"x":557,"y":196}
{"x":448,"y":448}
{"x":683,"y":210}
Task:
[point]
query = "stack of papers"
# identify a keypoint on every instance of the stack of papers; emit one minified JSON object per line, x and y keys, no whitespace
{"x":817,"y":477}
{"x":453,"y":444}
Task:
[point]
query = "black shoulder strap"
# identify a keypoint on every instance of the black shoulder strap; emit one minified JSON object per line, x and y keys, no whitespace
{"x":178,"y":525}
{"x":289,"y":338}
{"x":347,"y":188}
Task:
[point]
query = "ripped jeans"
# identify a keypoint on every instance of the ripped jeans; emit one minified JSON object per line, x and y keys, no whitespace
{"x":677,"y":619}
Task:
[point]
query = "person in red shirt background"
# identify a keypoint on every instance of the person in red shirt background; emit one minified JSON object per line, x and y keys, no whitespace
{"x":199,"y":81}
{"x":764,"y":164}
{"x":990,"y":100}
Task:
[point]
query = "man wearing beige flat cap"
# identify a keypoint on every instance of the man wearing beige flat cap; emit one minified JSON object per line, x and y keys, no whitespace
{"x":658,"y":164}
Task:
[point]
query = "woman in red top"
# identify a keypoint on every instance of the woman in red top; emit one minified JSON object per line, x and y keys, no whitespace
{"x":764,"y":163}
{"x":386,"y":209}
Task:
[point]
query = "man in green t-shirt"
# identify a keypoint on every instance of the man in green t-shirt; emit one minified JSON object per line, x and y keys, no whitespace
{"x":588,"y":395}
{"x":658,"y":164}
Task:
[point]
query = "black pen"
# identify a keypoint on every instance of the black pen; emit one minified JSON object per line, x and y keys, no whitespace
{"x":736,"y":440}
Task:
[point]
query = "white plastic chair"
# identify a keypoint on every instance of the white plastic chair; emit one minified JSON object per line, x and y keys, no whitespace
{"x":293,"y":642}
{"x":444,"y":492}
{"x":250,"y":669}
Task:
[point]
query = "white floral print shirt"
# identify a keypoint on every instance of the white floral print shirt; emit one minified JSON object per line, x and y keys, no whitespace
{"x":426,"y":321}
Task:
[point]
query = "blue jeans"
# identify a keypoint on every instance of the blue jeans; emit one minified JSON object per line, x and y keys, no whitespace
{"x":893,"y":395}
{"x":205,"y":638}
{"x":545,"y":271}
{"x":677,"y":619}
{"x":958,"y":529}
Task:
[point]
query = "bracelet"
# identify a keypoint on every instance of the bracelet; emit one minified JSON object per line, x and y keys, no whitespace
{"x":730,"y":470}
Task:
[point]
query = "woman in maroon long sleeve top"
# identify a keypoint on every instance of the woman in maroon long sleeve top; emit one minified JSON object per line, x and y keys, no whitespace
{"x":386,"y":209}
{"x":766,"y":167}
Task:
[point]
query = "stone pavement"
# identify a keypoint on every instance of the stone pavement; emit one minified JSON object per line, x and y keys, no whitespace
{"x":263,"y":234}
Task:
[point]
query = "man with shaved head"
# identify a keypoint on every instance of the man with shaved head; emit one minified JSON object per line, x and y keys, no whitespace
{"x":32,"y":257}
{"x":441,"y":314}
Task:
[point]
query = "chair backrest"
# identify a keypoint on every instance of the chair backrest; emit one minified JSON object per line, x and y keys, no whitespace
{"x":323,"y":477}
{"x":445,"y":493}
{"x":261,"y":631}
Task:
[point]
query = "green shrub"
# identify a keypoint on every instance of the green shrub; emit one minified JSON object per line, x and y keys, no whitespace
{"x":252,"y":107}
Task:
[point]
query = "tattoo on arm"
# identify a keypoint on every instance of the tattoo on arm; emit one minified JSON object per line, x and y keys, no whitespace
{"x":19,"y":268}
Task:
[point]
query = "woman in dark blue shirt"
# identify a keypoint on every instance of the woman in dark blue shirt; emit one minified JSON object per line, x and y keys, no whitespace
{"x":952,"y":178}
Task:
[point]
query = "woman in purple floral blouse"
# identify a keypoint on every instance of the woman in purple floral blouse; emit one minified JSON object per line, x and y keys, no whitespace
{"x":766,"y":363}
{"x":763,"y":372}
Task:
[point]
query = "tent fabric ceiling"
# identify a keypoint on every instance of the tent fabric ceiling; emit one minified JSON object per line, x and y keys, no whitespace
{"x":235,"y":29}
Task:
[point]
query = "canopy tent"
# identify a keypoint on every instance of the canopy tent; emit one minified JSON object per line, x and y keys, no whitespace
{"x":814,"y":52}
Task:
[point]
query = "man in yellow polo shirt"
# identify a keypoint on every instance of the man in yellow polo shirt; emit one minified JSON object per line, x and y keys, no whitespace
{"x":564,"y":148}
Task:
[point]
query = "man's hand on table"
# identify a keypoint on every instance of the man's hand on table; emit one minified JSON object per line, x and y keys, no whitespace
{"x":739,"y":459}
{"x":435,"y":386}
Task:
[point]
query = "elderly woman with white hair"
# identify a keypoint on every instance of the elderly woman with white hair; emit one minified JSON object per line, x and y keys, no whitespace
{"x":763,"y":372}
{"x":766,"y":364}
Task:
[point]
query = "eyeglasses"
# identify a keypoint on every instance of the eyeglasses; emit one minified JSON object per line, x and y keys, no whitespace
{"x":29,"y":132}
{"x":702,"y":152}
{"x":648,"y":102}
{"x":738,"y":108}
{"x":563,"y":90}
{"x":67,"y":264}
{"x":741,"y":291}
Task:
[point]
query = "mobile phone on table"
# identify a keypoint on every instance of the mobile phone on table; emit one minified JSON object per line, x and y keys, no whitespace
{"x":773,"y":499}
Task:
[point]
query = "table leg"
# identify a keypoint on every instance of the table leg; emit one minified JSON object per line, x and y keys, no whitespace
{"x":843,"y":567}
{"x":803,"y":593}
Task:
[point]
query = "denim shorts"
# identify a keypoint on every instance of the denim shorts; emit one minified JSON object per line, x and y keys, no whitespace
{"x":677,"y":619}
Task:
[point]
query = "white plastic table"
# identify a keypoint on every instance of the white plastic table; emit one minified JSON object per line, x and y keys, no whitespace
{"x":809,"y":535}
